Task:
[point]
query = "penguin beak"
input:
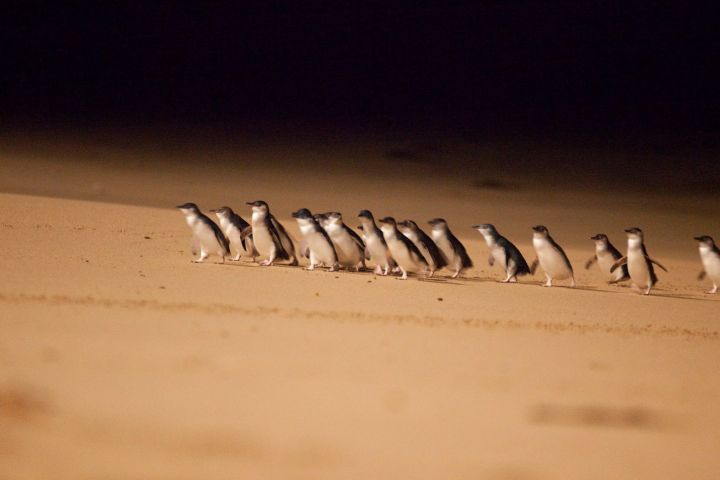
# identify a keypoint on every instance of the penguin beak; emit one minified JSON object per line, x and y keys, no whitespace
{"x":250,"y":203}
{"x":213,"y":210}
{"x":477,"y":227}
{"x":699,"y":239}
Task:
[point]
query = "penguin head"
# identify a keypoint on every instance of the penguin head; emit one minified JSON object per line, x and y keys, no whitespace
{"x":705,"y":240}
{"x":222,"y":212}
{"x":634,"y":233}
{"x":334,"y":218}
{"x":600,"y":239}
{"x":189,"y":208}
{"x":387,"y":224}
{"x":321,"y":218}
{"x":407,"y":225}
{"x":438,"y":224}
{"x":540,"y":231}
{"x":486,"y":229}
{"x":259,"y":206}
{"x":303,"y":213}
{"x":366,"y":214}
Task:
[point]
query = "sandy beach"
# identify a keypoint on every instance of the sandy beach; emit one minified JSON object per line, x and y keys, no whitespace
{"x":122,"y":359}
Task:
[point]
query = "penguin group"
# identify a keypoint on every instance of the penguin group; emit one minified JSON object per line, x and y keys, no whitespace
{"x":403,"y":248}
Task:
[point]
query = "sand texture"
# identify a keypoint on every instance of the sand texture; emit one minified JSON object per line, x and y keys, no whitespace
{"x":122,"y":359}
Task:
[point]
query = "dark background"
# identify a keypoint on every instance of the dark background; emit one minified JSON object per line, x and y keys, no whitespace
{"x":632,"y":75}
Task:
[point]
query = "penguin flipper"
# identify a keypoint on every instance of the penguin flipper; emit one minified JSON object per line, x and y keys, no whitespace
{"x":221,"y":239}
{"x":701,"y":275}
{"x":533,"y":266}
{"x":195,"y":245}
{"x":491,"y":260}
{"x":245,"y":232}
{"x":618,"y":263}
{"x":590,"y":262}
{"x":655,"y":262}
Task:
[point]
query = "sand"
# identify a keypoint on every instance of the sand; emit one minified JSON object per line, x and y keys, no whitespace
{"x":122,"y":359}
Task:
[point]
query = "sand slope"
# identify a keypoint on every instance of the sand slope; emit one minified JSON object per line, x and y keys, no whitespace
{"x":119,"y":358}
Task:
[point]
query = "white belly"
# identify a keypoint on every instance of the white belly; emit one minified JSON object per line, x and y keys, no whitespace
{"x":206,"y":238}
{"x":711,"y":263}
{"x":551,"y":261}
{"x":320,"y":249}
{"x":498,"y":254}
{"x":402,"y":256}
{"x":347,"y":250}
{"x":263,"y":240}
{"x":376,"y":249}
{"x":605,"y":262}
{"x":445,"y":247}
{"x":638,"y":269}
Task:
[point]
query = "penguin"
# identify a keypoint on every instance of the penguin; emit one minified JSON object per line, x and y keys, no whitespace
{"x":454,"y":251}
{"x":434,"y":257}
{"x":606,"y":255}
{"x":375,"y":245}
{"x":403,"y":250}
{"x":639,"y":264}
{"x":503,"y":252}
{"x":266,"y":237}
{"x":233,"y":226}
{"x":207,"y":236}
{"x":349,"y":246}
{"x":710,"y":256}
{"x":316,"y":245}
{"x":551,"y":257}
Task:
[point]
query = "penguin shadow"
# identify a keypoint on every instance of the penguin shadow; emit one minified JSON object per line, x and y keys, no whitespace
{"x":441,"y":280}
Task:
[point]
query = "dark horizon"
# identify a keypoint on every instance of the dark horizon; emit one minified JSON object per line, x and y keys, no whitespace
{"x":567,"y":71}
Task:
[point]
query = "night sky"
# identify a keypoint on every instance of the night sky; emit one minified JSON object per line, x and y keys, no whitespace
{"x":484,"y":68}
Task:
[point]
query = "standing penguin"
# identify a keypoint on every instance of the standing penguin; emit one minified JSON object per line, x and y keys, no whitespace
{"x":503,"y":252}
{"x":403,"y":251}
{"x":266,"y":236}
{"x":710,"y":256}
{"x":454,"y":251}
{"x":434,"y":257}
{"x":606,"y":255}
{"x":233,"y":226}
{"x":639,"y":263}
{"x":207,"y":236}
{"x":551,"y":257}
{"x":349,"y":246}
{"x":318,"y":247}
{"x":375,"y":245}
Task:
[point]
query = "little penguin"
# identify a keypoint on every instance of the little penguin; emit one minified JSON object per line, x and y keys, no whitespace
{"x":454,"y":251}
{"x":710,"y":256}
{"x":266,"y":237}
{"x":606,"y":255}
{"x":349,"y":246}
{"x":551,"y":257}
{"x":375,"y":245}
{"x":207,"y":236}
{"x":316,"y":244}
{"x":402,"y":249}
{"x":639,"y":263}
{"x":232,"y":226}
{"x":503,"y":252}
{"x":429,"y":250}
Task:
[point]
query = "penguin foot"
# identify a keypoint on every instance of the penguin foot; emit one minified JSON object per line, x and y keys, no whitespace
{"x":572,"y":283}
{"x":236,"y":258}
{"x":713,"y":290}
{"x":456,"y":274}
{"x":266,"y":263}
{"x":378,"y":270}
{"x":310,"y":268}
